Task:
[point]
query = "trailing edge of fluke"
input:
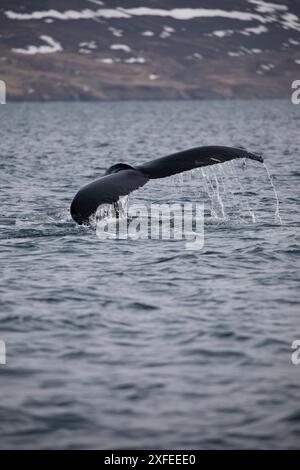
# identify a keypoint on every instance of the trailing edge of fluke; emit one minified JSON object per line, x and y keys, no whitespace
{"x":121,"y":179}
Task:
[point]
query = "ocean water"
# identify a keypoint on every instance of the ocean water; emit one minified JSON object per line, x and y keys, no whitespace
{"x":142,"y":343}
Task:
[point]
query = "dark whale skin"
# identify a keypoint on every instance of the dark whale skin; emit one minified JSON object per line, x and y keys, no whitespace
{"x":121,"y":179}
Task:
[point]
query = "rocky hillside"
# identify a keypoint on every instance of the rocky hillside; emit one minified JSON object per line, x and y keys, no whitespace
{"x":134,"y":49}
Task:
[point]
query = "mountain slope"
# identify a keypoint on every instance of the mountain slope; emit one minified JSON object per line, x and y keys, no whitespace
{"x":129,"y":49}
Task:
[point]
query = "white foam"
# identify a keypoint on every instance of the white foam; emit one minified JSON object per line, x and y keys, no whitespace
{"x":52,"y":46}
{"x":153,"y":76}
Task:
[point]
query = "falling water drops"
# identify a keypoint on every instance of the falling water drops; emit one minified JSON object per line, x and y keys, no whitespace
{"x":278,"y":218}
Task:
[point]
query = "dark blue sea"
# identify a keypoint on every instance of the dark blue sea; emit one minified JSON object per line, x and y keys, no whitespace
{"x":142,"y":343}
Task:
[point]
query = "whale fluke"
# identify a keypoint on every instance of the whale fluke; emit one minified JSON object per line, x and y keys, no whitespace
{"x":105,"y":190}
{"x":121,"y":179}
{"x":193,"y":158}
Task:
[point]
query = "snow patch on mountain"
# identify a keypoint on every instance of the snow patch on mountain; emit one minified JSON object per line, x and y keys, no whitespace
{"x":263,"y":7}
{"x":118,"y":33}
{"x":135,"y":60}
{"x":148,"y":33}
{"x":88,"y":44}
{"x":52,"y":46}
{"x":246,"y":31}
{"x":255,"y":30}
{"x":291,"y":21}
{"x":153,"y":76}
{"x":120,"y":47}
{"x":166,"y":32}
{"x":176,"y":13}
{"x":264,"y":13}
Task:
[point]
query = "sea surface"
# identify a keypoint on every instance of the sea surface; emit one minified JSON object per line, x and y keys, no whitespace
{"x":141,"y":343}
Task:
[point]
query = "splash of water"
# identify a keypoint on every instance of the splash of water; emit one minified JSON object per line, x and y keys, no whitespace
{"x":242,"y":189}
{"x":47,"y":218}
{"x":228,"y":186}
{"x":278,"y":218}
{"x":110,"y":211}
{"x":209,"y":191}
{"x":221,"y":186}
{"x":218,"y":195}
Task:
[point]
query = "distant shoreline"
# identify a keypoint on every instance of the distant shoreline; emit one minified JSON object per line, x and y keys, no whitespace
{"x":11,"y":100}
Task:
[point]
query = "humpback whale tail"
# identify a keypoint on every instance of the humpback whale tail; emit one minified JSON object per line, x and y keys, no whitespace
{"x":121,"y":179}
{"x":193,"y":158}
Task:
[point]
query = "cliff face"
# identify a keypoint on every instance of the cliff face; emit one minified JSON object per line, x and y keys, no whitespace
{"x":129,"y":49}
